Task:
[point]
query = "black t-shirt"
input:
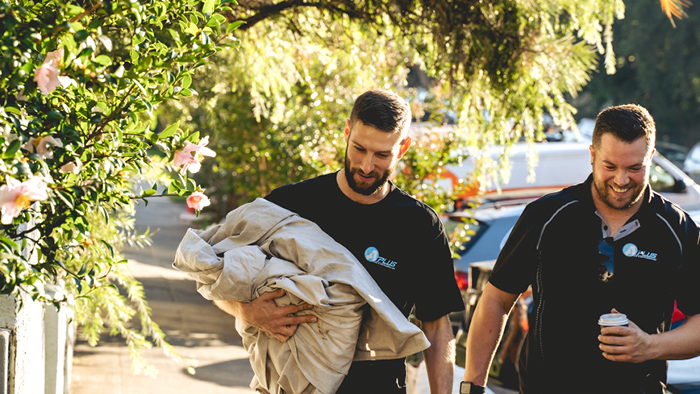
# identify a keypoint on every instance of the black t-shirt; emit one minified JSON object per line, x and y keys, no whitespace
{"x":399,"y":240}
{"x":554,"y":248}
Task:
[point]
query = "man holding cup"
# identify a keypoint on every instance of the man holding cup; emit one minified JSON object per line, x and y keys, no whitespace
{"x":608,"y":245}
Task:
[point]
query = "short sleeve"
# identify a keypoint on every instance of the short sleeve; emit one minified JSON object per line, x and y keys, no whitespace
{"x":517,"y":262}
{"x":439,"y":293}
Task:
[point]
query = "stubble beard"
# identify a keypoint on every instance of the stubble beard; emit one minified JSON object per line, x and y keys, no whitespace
{"x":604,"y":195}
{"x":366,"y":189}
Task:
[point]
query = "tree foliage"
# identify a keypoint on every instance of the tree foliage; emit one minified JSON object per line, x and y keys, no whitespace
{"x":277,"y":106}
{"x":657,"y":67}
{"x":79,"y":82}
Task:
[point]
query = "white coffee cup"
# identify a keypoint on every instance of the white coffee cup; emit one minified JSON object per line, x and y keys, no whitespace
{"x":613,"y":320}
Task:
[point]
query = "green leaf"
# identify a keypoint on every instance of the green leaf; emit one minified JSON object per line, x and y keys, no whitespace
{"x":173,"y":187}
{"x":192,"y":29}
{"x":105,"y":214}
{"x":14,"y":110}
{"x":216,"y":20}
{"x":107,"y":42}
{"x":169,"y":131}
{"x":145,"y":93}
{"x":54,"y":115}
{"x":233,"y":25}
{"x":103,"y":60}
{"x":134,"y":56}
{"x":194,"y":137}
{"x":208,"y":6}
{"x":149,"y":192}
{"x":186,"y":92}
{"x":81,"y":35}
{"x":186,"y":81}
{"x":9,"y":242}
{"x":111,"y":249}
{"x":12,"y":149}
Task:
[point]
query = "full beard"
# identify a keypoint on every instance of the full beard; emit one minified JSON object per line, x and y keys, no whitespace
{"x":365,"y":188}
{"x":604,"y":195}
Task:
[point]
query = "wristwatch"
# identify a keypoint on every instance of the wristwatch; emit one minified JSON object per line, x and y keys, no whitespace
{"x":471,"y":388}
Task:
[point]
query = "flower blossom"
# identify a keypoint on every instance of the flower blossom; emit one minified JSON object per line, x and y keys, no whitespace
{"x":190,"y":157}
{"x":16,"y":196}
{"x":197,"y":201}
{"x":40,"y":146}
{"x":70,"y":167}
{"x":46,"y":76}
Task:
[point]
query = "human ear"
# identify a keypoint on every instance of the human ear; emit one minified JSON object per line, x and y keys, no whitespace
{"x":405,"y":144}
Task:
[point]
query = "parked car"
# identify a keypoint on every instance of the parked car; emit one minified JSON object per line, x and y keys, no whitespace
{"x":673,"y":152}
{"x":691,"y":165}
{"x":561,"y":164}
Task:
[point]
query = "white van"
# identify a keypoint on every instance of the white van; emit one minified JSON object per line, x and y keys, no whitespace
{"x":561,"y":164}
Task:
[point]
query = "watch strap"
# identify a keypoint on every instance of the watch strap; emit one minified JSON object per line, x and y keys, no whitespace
{"x":471,"y":388}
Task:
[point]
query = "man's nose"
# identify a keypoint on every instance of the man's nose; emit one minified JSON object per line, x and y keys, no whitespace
{"x":367,"y":163}
{"x":622,"y":178}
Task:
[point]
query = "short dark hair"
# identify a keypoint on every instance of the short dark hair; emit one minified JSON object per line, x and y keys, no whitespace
{"x":383,"y":110}
{"x":627,"y":123}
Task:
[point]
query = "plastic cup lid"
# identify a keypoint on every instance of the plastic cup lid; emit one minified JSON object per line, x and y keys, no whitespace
{"x":613,"y":319}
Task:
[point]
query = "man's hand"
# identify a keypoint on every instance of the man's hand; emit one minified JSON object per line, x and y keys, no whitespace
{"x":264,"y":314}
{"x":632,"y":345}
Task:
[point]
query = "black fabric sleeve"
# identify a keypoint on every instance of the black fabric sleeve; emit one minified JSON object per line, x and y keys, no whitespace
{"x":516,"y":266}
{"x":686,"y":288}
{"x":438,"y":291}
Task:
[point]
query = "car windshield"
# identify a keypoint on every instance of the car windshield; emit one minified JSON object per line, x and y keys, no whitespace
{"x":464,"y":225}
{"x":486,"y":242}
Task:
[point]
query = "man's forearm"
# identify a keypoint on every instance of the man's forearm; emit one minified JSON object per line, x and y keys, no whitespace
{"x":440,"y":356}
{"x":679,"y":344}
{"x":233,"y":308}
{"x":485,"y":332}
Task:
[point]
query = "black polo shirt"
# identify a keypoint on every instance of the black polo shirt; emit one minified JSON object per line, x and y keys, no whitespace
{"x":554,"y":248}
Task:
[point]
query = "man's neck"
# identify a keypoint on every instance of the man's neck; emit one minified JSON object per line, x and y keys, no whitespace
{"x":615,"y":218}
{"x":377,"y":196}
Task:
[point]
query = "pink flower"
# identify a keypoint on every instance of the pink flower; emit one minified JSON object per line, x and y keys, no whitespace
{"x":70,"y":167}
{"x":197,"y":201}
{"x":16,"y":196}
{"x":46,"y":76}
{"x":40,"y":146}
{"x":190,"y":157}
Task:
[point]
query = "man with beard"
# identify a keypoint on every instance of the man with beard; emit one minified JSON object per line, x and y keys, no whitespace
{"x":608,"y":244}
{"x":399,"y":240}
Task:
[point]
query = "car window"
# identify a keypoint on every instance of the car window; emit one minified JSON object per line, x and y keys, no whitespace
{"x":456,"y":224}
{"x":661,"y":181}
{"x":695,"y":154}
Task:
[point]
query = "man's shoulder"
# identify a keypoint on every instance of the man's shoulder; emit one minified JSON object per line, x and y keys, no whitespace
{"x":412,"y":206}
{"x":554,"y":202}
{"x":675,"y":216}
{"x":304,"y":186}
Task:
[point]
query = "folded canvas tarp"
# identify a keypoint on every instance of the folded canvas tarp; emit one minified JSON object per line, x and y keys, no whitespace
{"x":263,"y":247}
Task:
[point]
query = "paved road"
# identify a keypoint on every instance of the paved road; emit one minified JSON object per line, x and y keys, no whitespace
{"x":196,"y":328}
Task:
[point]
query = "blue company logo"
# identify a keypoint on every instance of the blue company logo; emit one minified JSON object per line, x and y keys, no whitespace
{"x":372,"y":255}
{"x":631,"y":250}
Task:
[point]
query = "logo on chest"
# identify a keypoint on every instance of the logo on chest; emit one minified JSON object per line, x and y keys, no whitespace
{"x":631,"y":250}
{"x":372,"y":255}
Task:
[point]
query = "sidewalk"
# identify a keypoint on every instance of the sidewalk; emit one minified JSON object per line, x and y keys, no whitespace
{"x":194,"y":326}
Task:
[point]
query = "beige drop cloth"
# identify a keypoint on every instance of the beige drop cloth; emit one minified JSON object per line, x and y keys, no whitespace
{"x":262,"y":247}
